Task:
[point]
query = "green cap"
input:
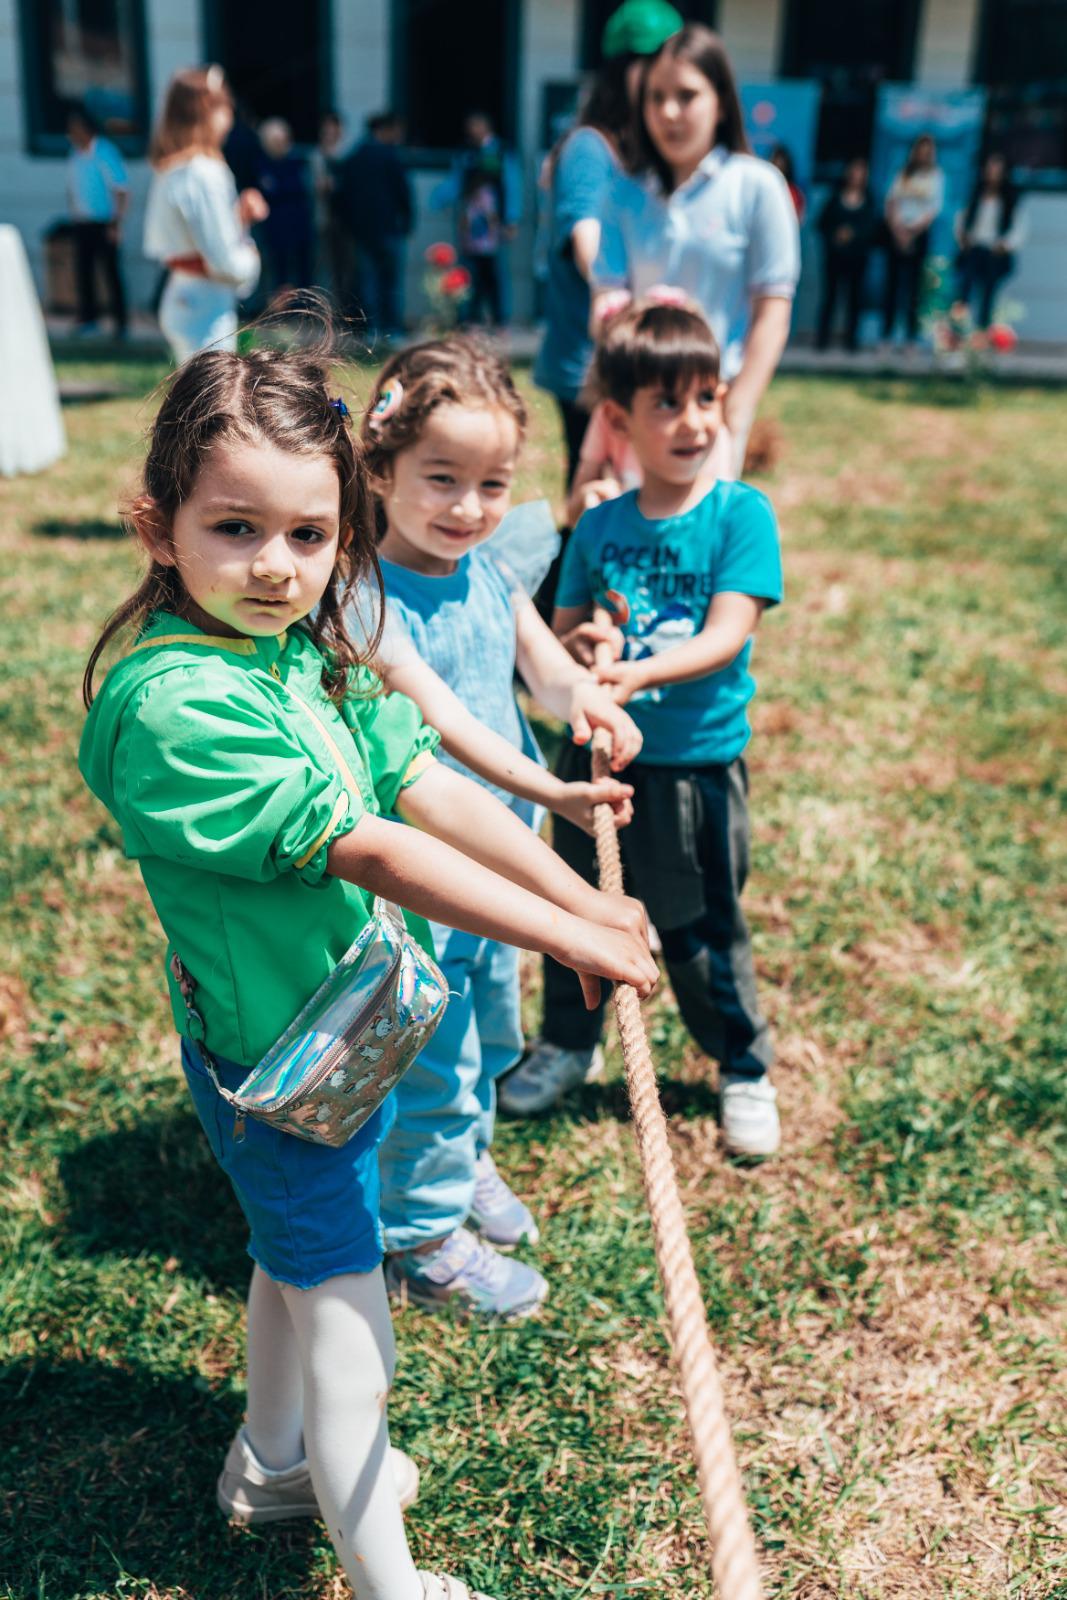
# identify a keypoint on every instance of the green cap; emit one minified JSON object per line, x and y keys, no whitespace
{"x":639,"y":27}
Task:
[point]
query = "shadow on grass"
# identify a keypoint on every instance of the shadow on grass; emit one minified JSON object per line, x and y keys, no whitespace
{"x":155,"y":1190}
{"x":594,"y":1102}
{"x":107,"y":1474}
{"x":83,"y":528}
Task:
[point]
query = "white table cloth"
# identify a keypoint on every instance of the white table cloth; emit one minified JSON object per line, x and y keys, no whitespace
{"x":32,"y":435}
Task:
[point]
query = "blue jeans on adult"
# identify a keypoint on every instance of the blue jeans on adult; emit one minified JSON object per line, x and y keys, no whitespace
{"x":981,"y":273}
{"x":380,"y":284}
{"x":446,"y":1101}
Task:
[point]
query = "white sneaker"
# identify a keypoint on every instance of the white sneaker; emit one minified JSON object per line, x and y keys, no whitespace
{"x":749,"y":1112}
{"x":250,"y":1493}
{"x":544,"y":1075}
{"x":439,"y":1586}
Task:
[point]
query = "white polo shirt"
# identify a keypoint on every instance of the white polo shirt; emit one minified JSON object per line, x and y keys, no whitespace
{"x":726,"y":236}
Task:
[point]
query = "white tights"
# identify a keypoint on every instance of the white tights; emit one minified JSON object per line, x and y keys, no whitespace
{"x":320,"y":1362}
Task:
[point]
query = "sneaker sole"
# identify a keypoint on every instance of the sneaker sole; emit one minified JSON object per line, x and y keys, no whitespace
{"x":248,"y":1517}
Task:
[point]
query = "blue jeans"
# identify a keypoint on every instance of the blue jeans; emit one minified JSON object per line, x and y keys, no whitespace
{"x":446,"y":1101}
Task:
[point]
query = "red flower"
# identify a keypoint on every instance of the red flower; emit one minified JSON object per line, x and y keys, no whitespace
{"x":1002,"y":337}
{"x":456,"y":282}
{"x":441,"y":255}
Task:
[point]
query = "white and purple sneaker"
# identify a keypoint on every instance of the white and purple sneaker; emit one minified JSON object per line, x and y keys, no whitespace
{"x":498,"y":1213}
{"x":468,"y":1273}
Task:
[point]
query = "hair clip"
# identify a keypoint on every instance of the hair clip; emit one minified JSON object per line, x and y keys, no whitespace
{"x":666,"y":294}
{"x":339,"y":406}
{"x":387,"y":404}
{"x":612,"y":304}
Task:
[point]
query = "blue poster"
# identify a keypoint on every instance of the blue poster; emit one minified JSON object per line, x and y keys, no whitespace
{"x":786,"y":113}
{"x":954,"y":117}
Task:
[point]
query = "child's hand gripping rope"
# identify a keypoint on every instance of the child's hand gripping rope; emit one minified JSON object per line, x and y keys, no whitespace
{"x":734,"y":1560}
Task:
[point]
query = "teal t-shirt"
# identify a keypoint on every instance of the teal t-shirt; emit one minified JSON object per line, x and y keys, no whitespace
{"x":658,"y":579}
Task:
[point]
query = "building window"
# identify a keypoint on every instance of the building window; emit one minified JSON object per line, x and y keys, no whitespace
{"x":270,"y":79}
{"x":1022,"y":60}
{"x":90,"y":51}
{"x":595,"y":14}
{"x":449,"y":61}
{"x":850,"y":47}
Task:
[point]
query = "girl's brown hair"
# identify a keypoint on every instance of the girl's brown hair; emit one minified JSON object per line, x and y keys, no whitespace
{"x":653,"y":346}
{"x":702,"y":48}
{"x":282,"y":397}
{"x":184,"y":127}
{"x":460,"y":370}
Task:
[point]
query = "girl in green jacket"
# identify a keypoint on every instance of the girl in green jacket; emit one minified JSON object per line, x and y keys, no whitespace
{"x":257,"y":773}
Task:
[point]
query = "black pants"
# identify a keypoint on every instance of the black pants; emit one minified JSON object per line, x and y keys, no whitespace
{"x":94,"y":243}
{"x":485,"y":302}
{"x":982,"y":271}
{"x":904,"y":281}
{"x":842,"y":275}
{"x":686,"y":856}
{"x":575,"y":420}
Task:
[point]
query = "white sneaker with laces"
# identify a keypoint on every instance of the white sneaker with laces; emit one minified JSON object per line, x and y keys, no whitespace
{"x":544,"y":1075}
{"x":749,"y":1111}
{"x":250,"y":1493}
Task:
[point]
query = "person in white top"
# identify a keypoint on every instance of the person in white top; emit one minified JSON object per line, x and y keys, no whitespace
{"x":915,"y":201}
{"x":705,"y":216}
{"x":195,"y":221}
{"x":989,"y":232}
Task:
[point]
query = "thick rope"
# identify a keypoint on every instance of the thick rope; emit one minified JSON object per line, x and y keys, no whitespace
{"x":734,"y":1563}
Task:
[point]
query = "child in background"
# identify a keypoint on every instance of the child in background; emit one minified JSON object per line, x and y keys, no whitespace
{"x":442,"y":438}
{"x":250,"y":760}
{"x":686,"y":566}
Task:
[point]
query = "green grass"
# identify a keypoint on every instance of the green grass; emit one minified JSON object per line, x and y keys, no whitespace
{"x":886,"y":1299}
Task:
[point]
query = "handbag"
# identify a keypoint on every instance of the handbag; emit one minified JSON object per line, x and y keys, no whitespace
{"x":352,"y":1042}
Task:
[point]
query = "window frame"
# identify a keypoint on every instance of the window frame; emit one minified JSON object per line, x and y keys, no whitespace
{"x":439,"y":158}
{"x":1036,"y":180}
{"x":38,"y":141}
{"x":900,"y":70}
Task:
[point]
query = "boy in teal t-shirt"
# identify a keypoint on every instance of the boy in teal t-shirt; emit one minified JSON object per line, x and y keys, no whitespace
{"x":684,"y":567}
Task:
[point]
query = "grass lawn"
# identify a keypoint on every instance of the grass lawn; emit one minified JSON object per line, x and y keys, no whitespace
{"x":886,"y":1298}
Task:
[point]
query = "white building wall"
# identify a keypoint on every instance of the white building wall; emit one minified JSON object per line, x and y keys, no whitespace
{"x":948,"y":37}
{"x":752,"y":30}
{"x":33,"y":188}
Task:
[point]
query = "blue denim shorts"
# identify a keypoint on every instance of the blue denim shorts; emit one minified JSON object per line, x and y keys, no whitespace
{"x":312,"y":1210}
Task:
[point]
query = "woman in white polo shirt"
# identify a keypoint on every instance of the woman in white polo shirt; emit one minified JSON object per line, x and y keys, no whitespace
{"x":195,"y":222}
{"x":706,"y":216}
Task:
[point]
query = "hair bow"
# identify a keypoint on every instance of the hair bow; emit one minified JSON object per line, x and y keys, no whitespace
{"x":612,"y":304}
{"x":665,"y":294}
{"x":387,"y":405}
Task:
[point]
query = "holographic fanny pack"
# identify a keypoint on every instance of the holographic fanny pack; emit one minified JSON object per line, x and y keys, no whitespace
{"x":354,"y":1039}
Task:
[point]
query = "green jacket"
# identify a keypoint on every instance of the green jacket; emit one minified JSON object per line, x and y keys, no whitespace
{"x":230,"y":772}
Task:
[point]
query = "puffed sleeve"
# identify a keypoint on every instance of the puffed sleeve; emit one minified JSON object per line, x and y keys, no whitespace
{"x":395,"y":742}
{"x":208,"y":202}
{"x":209,"y":774}
{"x":772,"y":265}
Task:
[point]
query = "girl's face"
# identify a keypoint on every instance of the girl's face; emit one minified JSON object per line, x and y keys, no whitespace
{"x":447,"y":492}
{"x":681,"y":114}
{"x":256,"y":541}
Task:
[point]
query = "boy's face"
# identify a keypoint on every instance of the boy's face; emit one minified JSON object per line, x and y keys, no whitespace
{"x":672,"y":434}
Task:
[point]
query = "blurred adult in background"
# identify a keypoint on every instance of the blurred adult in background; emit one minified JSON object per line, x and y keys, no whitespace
{"x":915,"y":200}
{"x":989,"y":232}
{"x":378,"y":210}
{"x":488,"y":196}
{"x":332,"y":251}
{"x":578,"y":176}
{"x":782,"y":158}
{"x":705,"y":216}
{"x":285,"y":184}
{"x":196,"y":224}
{"x":97,"y":194}
{"x":849,"y":224}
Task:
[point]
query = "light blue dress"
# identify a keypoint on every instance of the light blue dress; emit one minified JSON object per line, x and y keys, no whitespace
{"x":463,"y":626}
